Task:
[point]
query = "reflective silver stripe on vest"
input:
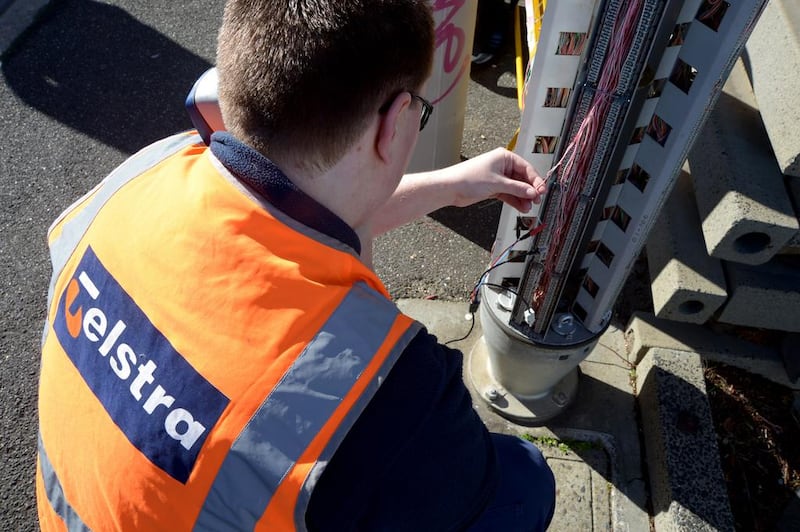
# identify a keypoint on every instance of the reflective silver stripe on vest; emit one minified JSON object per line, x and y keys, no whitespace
{"x":297,"y":408}
{"x":55,"y":493}
{"x":341,"y":431}
{"x":73,"y":231}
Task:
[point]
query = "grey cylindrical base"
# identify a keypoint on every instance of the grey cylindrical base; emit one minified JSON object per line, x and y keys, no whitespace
{"x":521,"y":380}
{"x":532,"y":410}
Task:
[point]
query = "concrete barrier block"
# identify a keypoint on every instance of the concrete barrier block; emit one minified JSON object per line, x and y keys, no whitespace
{"x":773,"y":58}
{"x":687,"y":284}
{"x":686,"y":480}
{"x":766,"y":297}
{"x":743,"y":204}
{"x":793,"y":186}
{"x":646,"y":332}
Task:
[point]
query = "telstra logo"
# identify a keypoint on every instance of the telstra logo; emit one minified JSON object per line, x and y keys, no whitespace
{"x":131,"y":367}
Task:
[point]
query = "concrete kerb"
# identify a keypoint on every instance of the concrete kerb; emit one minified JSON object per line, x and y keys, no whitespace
{"x":687,"y":486}
{"x":17,"y":17}
{"x":686,"y":480}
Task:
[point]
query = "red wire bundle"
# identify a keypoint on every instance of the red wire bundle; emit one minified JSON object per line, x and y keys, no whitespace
{"x":573,"y":167}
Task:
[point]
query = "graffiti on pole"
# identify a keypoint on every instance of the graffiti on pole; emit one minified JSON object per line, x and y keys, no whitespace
{"x":451,"y":41}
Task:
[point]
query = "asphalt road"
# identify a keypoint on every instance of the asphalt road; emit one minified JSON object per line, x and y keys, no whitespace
{"x":91,"y":83}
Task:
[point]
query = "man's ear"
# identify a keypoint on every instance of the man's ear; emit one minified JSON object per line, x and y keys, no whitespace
{"x":390,"y":121}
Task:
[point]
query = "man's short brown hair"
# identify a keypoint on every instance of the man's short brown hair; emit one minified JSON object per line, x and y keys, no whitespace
{"x":298,"y":79}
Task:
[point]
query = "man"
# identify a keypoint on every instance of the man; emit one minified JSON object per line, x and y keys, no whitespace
{"x":218,"y":352}
{"x":494,"y":21}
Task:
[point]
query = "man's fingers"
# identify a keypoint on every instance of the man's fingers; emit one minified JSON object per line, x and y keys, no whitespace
{"x":520,"y":169}
{"x":522,"y":205}
{"x":524,"y":190}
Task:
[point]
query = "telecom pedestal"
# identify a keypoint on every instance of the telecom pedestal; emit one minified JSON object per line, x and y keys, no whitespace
{"x":618,"y":91}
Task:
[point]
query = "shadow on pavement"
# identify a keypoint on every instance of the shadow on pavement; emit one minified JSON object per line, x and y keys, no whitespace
{"x":477,"y":223}
{"x":488,"y":75}
{"x":100,"y":71}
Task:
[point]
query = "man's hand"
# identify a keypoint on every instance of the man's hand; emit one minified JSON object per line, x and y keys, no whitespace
{"x":499,"y":174}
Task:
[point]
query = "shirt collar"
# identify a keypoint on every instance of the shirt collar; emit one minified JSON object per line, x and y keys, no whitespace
{"x":260,"y":174}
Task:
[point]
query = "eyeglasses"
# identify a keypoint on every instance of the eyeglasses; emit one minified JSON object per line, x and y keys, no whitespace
{"x":427,"y":108}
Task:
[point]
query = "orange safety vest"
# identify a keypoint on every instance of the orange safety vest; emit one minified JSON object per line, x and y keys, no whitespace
{"x":204,"y":354}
